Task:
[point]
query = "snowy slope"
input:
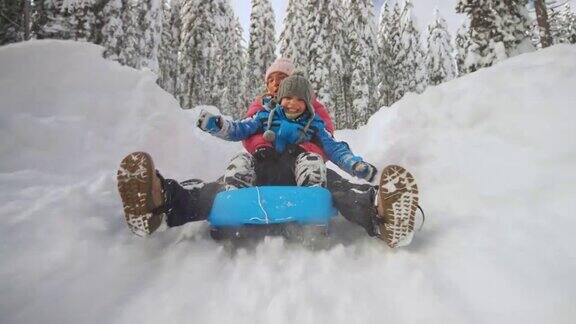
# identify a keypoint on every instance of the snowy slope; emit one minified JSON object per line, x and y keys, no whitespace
{"x":493,"y":152}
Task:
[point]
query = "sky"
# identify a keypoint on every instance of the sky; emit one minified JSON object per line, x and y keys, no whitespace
{"x":423,"y":12}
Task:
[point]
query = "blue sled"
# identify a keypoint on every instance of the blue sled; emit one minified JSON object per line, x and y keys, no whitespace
{"x":271,"y":205}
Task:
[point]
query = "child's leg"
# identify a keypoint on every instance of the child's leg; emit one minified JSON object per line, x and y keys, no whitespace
{"x":240,"y":173}
{"x":310,"y":170}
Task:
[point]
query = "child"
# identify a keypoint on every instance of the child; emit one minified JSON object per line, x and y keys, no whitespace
{"x":287,"y":124}
{"x":275,"y":74}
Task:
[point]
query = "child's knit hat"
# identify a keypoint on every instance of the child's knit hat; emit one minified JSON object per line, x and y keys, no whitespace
{"x":281,"y":64}
{"x":298,"y":86}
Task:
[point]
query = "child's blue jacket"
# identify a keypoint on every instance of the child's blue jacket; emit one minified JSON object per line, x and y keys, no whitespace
{"x":289,"y":131}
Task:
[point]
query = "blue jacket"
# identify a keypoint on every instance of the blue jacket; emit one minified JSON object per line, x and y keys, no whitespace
{"x":290,"y":131}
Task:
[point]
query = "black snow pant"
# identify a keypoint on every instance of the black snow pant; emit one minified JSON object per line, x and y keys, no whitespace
{"x":192,"y":200}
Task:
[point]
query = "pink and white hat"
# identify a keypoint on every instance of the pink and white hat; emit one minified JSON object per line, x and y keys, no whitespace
{"x":281,"y":64}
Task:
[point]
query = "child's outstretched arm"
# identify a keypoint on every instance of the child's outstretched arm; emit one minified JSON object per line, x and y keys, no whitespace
{"x":229,"y":130}
{"x":342,"y":156}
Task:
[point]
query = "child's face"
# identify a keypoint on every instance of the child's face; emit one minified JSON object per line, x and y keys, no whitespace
{"x":273,"y":82}
{"x":293,"y":106}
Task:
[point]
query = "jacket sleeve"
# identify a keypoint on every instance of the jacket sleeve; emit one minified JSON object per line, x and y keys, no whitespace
{"x":240,"y":130}
{"x":321,"y":111}
{"x":338,"y":152}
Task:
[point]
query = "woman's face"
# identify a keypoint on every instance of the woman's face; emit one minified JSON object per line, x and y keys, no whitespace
{"x":293,"y":106}
{"x":273,"y":82}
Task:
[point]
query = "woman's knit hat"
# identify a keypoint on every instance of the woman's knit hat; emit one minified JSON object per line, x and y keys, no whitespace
{"x":281,"y":64}
{"x":296,"y":86}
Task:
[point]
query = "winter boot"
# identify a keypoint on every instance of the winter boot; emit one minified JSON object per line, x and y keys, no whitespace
{"x":396,"y":202}
{"x":240,"y":173}
{"x":141,"y":192}
{"x":310,"y":170}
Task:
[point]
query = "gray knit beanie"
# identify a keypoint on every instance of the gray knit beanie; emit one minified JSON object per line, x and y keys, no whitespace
{"x":298,"y":86}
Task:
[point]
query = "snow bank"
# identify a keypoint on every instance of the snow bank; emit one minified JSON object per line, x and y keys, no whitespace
{"x":493,"y":153}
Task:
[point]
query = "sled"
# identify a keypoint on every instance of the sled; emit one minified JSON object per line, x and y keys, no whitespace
{"x":270,"y":210}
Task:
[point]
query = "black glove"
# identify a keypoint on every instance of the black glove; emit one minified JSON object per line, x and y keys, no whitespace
{"x":365,"y":171}
{"x":266,"y":153}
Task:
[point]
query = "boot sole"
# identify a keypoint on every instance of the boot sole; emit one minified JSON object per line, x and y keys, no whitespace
{"x":135,"y":177}
{"x":396,"y":202}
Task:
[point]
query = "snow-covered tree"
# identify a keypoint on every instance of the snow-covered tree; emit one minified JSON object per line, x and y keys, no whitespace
{"x":485,"y":47}
{"x":440,"y":63}
{"x":132,"y":38}
{"x":293,"y":39}
{"x":231,"y":64}
{"x":13,"y":22}
{"x":81,"y":19}
{"x":388,"y":33}
{"x":325,"y":49}
{"x":51,"y":20}
{"x":169,"y":45}
{"x":261,"y":48}
{"x":512,"y":26}
{"x":361,"y":56}
{"x":409,"y":56}
{"x":151,"y":24}
{"x":199,"y":56}
{"x":564,"y":25}
{"x":112,"y":29}
{"x":498,"y":30}
{"x":462,"y":44}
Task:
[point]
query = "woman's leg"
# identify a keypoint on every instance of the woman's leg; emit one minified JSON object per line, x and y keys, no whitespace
{"x":188,"y":201}
{"x":354,"y":201}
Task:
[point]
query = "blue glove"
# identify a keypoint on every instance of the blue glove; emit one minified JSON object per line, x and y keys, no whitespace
{"x":209,"y":123}
{"x":290,"y":133}
{"x":364,"y":171}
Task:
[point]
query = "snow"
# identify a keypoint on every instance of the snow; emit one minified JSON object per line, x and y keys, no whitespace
{"x":493,"y":153}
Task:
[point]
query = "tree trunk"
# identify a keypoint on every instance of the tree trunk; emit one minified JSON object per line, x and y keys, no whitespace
{"x":543,"y":24}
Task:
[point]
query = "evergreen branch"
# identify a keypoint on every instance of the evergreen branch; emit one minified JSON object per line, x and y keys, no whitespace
{"x":10,"y":20}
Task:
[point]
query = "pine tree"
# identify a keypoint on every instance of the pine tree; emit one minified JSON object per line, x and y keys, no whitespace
{"x":409,"y":56}
{"x":388,"y":25}
{"x":462,"y":45}
{"x":498,"y":30}
{"x":169,"y":44}
{"x":439,"y":60}
{"x":564,"y":25}
{"x":361,"y":55}
{"x":132,"y":36}
{"x":325,"y":56}
{"x":81,"y":19}
{"x":485,"y":46}
{"x":231,"y":64}
{"x":51,"y":20}
{"x":512,"y":26}
{"x":293,"y":39}
{"x":112,"y":29}
{"x":203,"y":23}
{"x":262,"y":47}
{"x":151,"y":24}
{"x":12,"y":21}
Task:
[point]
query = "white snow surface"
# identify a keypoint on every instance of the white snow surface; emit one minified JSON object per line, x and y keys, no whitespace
{"x":493,"y":153}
